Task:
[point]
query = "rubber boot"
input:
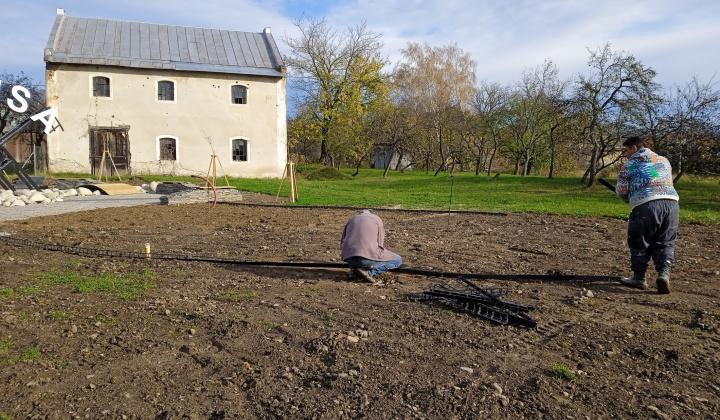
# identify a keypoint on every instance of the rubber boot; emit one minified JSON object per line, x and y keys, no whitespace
{"x":637,"y":281}
{"x":663,"y":281}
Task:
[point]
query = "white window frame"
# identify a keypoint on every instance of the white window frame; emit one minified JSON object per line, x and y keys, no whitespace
{"x":247,"y":94}
{"x":157,"y":89}
{"x":177,"y":148}
{"x":92,"y":86}
{"x":247,"y":148}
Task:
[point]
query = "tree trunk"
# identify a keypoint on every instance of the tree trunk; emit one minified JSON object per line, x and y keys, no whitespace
{"x":323,"y":152}
{"x":492,"y":158}
{"x":677,"y":177}
{"x":585,"y":175}
{"x":399,"y":161}
{"x":442,"y":155}
{"x":526,"y":164}
{"x":387,"y":166}
{"x":593,"y":165}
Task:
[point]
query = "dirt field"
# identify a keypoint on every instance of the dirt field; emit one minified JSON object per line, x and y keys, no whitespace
{"x":220,"y":341}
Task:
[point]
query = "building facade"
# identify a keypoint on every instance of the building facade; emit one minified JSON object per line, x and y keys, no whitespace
{"x":139,"y":98}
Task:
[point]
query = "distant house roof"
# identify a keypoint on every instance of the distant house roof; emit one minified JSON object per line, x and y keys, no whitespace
{"x":148,"y":45}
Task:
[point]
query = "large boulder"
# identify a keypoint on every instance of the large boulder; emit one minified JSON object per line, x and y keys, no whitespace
{"x":37,"y":197}
{"x":83,"y":191}
{"x":49,"y":194}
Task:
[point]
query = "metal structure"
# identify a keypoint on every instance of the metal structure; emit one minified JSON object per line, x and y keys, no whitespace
{"x":7,"y":161}
{"x":484,"y":303}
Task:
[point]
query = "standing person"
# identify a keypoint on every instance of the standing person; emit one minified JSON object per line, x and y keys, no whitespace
{"x":362,"y":246}
{"x":645,"y":181}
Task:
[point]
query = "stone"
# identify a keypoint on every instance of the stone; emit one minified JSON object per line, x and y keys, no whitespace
{"x":49,"y":194}
{"x":82,"y":191}
{"x":466,"y":369}
{"x":23,"y":192}
{"x":353,"y":339}
{"x":37,"y":197}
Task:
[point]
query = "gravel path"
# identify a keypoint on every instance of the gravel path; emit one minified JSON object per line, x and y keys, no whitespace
{"x":78,"y":203}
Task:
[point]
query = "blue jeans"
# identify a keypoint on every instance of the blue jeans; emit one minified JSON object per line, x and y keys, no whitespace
{"x":652,"y":230}
{"x":373,"y":267}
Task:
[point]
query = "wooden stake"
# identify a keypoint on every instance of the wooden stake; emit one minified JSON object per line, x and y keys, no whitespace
{"x":292,"y":179}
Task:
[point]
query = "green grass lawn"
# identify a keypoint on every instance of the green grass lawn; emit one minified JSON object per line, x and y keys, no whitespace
{"x":699,"y":199}
{"x":318,"y":186}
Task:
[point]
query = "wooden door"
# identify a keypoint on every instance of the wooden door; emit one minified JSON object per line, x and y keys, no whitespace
{"x":110,"y":151}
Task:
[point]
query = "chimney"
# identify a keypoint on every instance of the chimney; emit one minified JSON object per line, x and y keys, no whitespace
{"x":266,"y":30}
{"x":60,"y":11}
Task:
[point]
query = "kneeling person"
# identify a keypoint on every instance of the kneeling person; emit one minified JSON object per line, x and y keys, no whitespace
{"x":362,"y":246}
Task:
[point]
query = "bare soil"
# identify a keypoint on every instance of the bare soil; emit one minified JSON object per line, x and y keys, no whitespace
{"x":227,"y":341}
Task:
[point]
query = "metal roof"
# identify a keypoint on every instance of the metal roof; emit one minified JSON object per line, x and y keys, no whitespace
{"x":148,"y":45}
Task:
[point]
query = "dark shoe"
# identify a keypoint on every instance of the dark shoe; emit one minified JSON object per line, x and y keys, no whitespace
{"x":352,"y":275}
{"x":635,"y":281}
{"x":663,"y":281}
{"x":364,"y":275}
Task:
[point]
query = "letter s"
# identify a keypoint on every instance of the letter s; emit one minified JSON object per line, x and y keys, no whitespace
{"x":23,"y":103}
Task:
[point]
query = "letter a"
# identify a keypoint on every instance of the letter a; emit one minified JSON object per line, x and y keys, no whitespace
{"x":51,"y":114}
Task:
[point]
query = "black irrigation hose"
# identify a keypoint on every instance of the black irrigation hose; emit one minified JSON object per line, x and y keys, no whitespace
{"x":361,"y":208}
{"x":180,"y":257}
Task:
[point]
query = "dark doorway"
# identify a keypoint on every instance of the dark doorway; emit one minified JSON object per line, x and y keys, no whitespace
{"x":110,"y":151}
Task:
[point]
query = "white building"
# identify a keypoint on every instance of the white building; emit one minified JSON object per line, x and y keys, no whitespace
{"x":143,"y":98}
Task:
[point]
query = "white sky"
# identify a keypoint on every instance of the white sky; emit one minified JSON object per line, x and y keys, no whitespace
{"x":678,"y":39}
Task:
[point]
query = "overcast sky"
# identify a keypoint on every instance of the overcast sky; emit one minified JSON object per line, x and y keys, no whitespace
{"x":678,"y":39}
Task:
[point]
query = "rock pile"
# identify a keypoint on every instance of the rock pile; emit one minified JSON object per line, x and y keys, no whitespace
{"x":173,"y":193}
{"x":24,"y":197}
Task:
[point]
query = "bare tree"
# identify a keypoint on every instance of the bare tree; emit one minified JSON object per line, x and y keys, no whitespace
{"x":614,"y":86}
{"x":691,"y":137}
{"x":434,"y":80}
{"x":394,"y":128}
{"x":36,"y":101}
{"x":533,"y":113}
{"x":35,"y":132}
{"x":492,"y":109}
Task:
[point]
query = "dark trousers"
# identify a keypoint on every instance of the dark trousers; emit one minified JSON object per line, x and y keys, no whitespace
{"x":652,"y":230}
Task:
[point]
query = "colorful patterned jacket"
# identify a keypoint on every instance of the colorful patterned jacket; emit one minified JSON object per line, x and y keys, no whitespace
{"x":644,"y":177}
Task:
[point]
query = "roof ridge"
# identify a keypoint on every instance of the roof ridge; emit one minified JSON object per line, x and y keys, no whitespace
{"x":162,"y":24}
